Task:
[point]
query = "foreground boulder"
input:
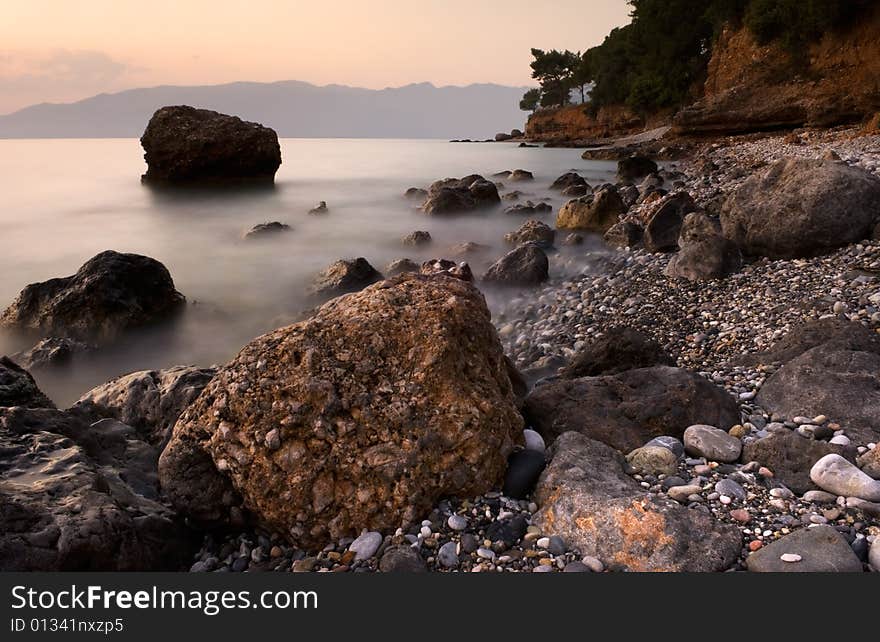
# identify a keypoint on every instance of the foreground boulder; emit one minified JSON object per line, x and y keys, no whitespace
{"x":361,"y":417}
{"x":75,"y":497}
{"x":832,"y":380}
{"x":586,"y":498}
{"x":458,"y":195}
{"x":628,"y":409}
{"x":188,"y":145}
{"x":108,"y":295}
{"x":595,"y":212}
{"x":526,"y":265}
{"x":791,"y":457}
{"x":150,"y":401}
{"x":18,"y":388}
{"x":343,"y":276}
{"x":820,"y":549}
{"x":801,"y":207}
{"x":617,"y":350}
{"x":705,"y":253}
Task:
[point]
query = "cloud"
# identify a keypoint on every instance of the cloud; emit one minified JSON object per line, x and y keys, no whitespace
{"x":59,"y":75}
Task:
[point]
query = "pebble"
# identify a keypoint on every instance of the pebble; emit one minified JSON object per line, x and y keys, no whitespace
{"x":447,"y":555}
{"x":366,"y":545}
{"x":790,"y":557}
{"x":486,"y":553}
{"x":457,"y":522}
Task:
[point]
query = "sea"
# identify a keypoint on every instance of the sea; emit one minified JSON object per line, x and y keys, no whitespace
{"x":64,"y":201}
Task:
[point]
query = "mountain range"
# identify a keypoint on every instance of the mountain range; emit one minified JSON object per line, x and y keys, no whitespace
{"x":294,"y":109}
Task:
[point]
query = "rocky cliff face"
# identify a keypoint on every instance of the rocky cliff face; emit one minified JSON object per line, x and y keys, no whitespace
{"x":572,"y":123}
{"x":751,"y":87}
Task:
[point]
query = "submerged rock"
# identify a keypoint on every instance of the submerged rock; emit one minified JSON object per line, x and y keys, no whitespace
{"x":361,"y":417}
{"x":446,"y":267}
{"x":188,"y":145}
{"x":52,"y":352}
{"x":526,"y":265}
{"x":263,"y":230}
{"x":569,"y":179}
{"x":419,"y":237}
{"x":399,"y":266}
{"x":459,"y":195}
{"x":346,"y":275}
{"x":108,"y":295}
{"x":629,"y":169}
{"x":533,"y":231}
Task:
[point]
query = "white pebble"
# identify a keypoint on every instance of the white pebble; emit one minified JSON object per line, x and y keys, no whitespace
{"x":790,"y":557}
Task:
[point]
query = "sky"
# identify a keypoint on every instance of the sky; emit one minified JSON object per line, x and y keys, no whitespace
{"x":63,"y":50}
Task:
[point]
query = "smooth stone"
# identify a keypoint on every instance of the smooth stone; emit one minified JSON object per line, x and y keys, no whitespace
{"x":593,"y":563}
{"x":447,"y":555}
{"x":836,"y":475}
{"x":469,"y":543}
{"x":366,"y":545}
{"x":457,"y":522}
{"x":576,"y":567}
{"x":486,"y":553}
{"x":682,"y":493}
{"x":653,"y":460}
{"x":819,"y":497}
{"x":534,"y":441}
{"x":523,"y":470}
{"x":790,"y":557}
{"x":874,"y":554}
{"x":731,"y":489}
{"x":670,"y":443}
{"x":557,"y":545}
{"x":712,"y":443}
{"x":402,"y":559}
{"x":821,"y":550}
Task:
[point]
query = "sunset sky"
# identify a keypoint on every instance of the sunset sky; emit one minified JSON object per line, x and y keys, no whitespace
{"x":60,"y":51}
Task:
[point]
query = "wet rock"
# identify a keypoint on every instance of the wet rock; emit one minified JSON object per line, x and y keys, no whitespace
{"x":264,"y":230}
{"x":453,"y":195}
{"x":419,"y":237}
{"x":528,"y":209}
{"x":109,"y":294}
{"x":448,"y":268}
{"x":320,"y":208}
{"x":344,"y":276}
{"x":533,"y":231}
{"x":416,"y":194}
{"x":399,"y":266}
{"x":526,"y":265}
{"x":188,"y":145}
{"x":569,"y":179}
{"x":18,"y":388}
{"x":52,"y":352}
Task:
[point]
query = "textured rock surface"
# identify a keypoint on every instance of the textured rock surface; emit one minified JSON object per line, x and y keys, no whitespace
{"x":361,"y":417}
{"x":801,"y":207}
{"x":51,"y":352}
{"x":617,"y":350}
{"x":628,"y":409}
{"x":526,"y":265}
{"x":712,"y":443}
{"x":533,"y":231}
{"x":188,"y":145}
{"x":75,"y":497}
{"x":596,"y":212}
{"x":458,"y":195}
{"x":18,"y":388}
{"x":821,"y":549}
{"x":150,"y":401}
{"x":346,"y":275}
{"x":704,"y":253}
{"x":587,"y":499}
{"x":109,"y":294}
{"x":633,"y":167}
{"x":664,"y":219}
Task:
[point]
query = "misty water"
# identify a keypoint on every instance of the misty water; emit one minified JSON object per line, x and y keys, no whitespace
{"x":66,"y":200}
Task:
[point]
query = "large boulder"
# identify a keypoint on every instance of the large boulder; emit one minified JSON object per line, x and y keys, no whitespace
{"x":829,"y":379}
{"x":457,"y":195}
{"x":52,"y":352}
{"x":619,"y":349}
{"x":343,"y":276}
{"x":586,"y":498}
{"x":362,"y":416}
{"x":596,"y":212}
{"x":108,"y":295}
{"x":150,"y":401}
{"x":569,"y":179}
{"x":188,"y":145}
{"x":533,"y":231}
{"x":664,"y":219}
{"x":18,"y":388}
{"x":831,"y":332}
{"x":628,"y":409}
{"x":801,"y":207}
{"x":526,"y":265}
{"x":75,"y":497}
{"x":633,"y":167}
{"x":705,"y":253}
{"x":791,"y":457}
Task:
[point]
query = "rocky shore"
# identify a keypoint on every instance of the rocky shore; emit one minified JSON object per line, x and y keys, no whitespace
{"x":707,"y":401}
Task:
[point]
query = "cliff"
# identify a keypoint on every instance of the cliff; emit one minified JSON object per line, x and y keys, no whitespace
{"x":751,"y":87}
{"x":572,"y":123}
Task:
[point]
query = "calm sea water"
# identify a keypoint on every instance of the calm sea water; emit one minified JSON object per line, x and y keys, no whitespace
{"x":66,"y":200}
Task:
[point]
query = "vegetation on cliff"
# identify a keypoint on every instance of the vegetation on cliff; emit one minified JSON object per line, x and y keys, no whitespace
{"x":655,"y":61}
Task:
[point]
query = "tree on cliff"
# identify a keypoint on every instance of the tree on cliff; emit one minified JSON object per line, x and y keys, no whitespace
{"x":530,"y":100}
{"x":582,"y":74}
{"x":553,"y":69}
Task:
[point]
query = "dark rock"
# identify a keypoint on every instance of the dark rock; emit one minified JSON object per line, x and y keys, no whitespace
{"x":416,"y":238}
{"x":528,"y":209}
{"x":627,"y":409}
{"x":150,"y":401}
{"x":416,"y":194}
{"x":705,"y":253}
{"x":670,"y":443}
{"x":618,"y":349}
{"x":576,"y":191}
{"x":664,"y":220}
{"x":629,"y":169}
{"x":457,"y":195}
{"x":320,"y":208}
{"x":347,"y":275}
{"x":586,"y":497}
{"x":573,"y":238}
{"x":467,"y":247}
{"x":108,"y":295}
{"x":801,"y":207}
{"x":518,"y":175}
{"x":510,"y":531}
{"x":446,"y":267}
{"x":624,"y":234}
{"x":569,"y":179}
{"x":188,"y":145}
{"x":523,"y":469}
{"x":263,"y":230}
{"x":533,"y":231}
{"x":821,"y":548}
{"x":831,"y":332}
{"x":791,"y":457}
{"x":525,"y":265}
{"x":18,"y":388}
{"x":51,"y":353}
{"x":402,"y":559}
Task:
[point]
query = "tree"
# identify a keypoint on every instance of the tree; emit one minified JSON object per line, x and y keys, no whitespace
{"x":582,"y":74}
{"x":530,"y":100}
{"x":553,"y":70}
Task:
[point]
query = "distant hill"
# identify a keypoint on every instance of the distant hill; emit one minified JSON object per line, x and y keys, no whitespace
{"x":294,"y":109}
